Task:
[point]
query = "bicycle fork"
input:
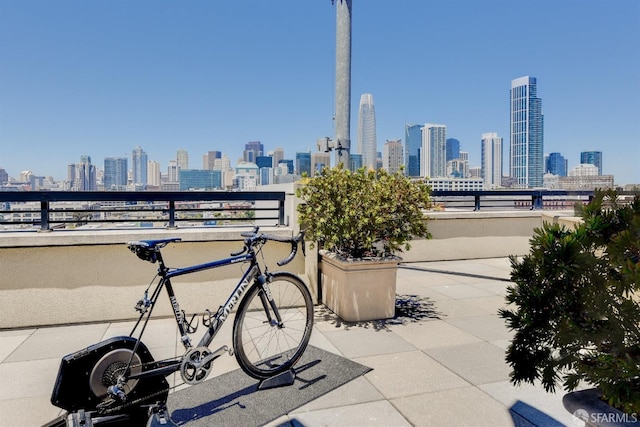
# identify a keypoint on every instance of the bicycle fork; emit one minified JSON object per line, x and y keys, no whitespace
{"x":268,"y":302}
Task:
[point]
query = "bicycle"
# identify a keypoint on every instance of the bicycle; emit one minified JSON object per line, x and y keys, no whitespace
{"x":271,"y":330}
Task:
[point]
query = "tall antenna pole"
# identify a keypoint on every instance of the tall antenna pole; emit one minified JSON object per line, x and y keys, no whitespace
{"x":342,"y":139}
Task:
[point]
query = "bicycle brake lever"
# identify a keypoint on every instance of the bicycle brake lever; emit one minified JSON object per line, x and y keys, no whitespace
{"x":300,"y":238}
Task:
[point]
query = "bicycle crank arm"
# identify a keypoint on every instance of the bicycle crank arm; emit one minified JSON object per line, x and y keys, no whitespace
{"x":219,"y":352}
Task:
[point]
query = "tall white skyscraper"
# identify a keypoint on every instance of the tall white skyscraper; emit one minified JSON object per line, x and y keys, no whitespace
{"x":491,"y":160}
{"x":367,"y":145}
{"x":433,"y":162}
{"x":526,"y":148}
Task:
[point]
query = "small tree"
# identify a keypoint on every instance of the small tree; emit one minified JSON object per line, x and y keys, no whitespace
{"x":577,"y":310}
{"x":363,"y":213}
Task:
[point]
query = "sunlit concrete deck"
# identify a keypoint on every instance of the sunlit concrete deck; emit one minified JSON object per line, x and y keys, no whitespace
{"x":439,"y":364}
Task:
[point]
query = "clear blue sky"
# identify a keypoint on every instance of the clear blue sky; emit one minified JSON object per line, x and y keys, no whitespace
{"x":99,"y":77}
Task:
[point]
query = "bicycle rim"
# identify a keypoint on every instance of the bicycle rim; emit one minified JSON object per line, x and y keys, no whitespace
{"x":263,"y":348}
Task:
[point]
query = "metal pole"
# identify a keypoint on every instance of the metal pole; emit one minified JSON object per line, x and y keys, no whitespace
{"x":342,"y":138}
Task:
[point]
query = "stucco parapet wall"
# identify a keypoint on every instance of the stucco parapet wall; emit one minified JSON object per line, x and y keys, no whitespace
{"x":567,"y":219}
{"x":110,"y":237}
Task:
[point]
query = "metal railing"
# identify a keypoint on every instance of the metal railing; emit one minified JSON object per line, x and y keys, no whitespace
{"x":47,"y":210}
{"x":509,"y":199}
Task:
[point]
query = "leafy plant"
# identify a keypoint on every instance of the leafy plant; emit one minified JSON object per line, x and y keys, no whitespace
{"x":577,"y":304}
{"x":364,"y":213}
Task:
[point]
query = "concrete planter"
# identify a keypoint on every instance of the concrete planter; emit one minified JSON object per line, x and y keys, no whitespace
{"x":358,"y":290}
{"x":589,"y":410}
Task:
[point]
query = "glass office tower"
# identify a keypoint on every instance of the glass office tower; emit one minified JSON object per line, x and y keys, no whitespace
{"x":412,"y":147}
{"x":115,"y":173}
{"x":303,"y":163}
{"x":453,"y":149}
{"x":139,"y":160}
{"x":526,"y":154}
{"x":557,"y":164}
{"x":592,"y":158}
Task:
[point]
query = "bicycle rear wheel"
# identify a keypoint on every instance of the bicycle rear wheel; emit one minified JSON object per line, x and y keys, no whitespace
{"x":264,"y":346}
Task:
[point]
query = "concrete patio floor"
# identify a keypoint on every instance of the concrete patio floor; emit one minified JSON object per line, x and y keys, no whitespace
{"x":440,"y":363}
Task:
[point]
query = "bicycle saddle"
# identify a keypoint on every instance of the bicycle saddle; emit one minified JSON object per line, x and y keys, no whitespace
{"x":146,"y":249}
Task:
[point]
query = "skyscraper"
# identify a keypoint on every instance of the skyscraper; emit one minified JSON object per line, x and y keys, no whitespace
{"x":115,"y":173}
{"x":491,"y":168}
{"x":392,"y":155}
{"x":182,"y":157}
{"x":154,"y":177}
{"x":209,"y":159}
{"x":303,"y":163}
{"x":526,"y":158}
{"x":592,"y":158}
{"x":556,"y":164}
{"x":82,"y":176}
{"x":172,"y":171}
{"x":278,"y":156}
{"x":433,"y":162}
{"x":367,"y":145}
{"x":252,"y":150}
{"x":412,"y":146}
{"x":139,"y":160}
{"x":453,"y":149}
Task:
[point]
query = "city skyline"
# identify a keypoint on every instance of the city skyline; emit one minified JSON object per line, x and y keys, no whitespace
{"x":100,"y":78}
{"x":247,"y":175}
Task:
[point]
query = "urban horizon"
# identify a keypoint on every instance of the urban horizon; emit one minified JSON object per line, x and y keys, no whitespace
{"x":100,"y":166}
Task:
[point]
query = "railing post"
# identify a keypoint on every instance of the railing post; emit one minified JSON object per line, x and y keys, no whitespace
{"x":44,"y":215}
{"x":476,"y":202}
{"x":536,"y":201}
{"x":172,"y":214}
{"x":281,"y":212}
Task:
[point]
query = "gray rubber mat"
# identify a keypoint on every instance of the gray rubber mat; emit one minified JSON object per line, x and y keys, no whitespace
{"x":234,"y":398}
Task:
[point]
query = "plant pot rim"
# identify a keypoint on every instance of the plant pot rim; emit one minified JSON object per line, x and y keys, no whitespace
{"x":334,"y":256}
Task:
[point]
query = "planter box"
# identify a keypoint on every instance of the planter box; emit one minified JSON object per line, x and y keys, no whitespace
{"x":589,"y":410}
{"x":358,"y":290}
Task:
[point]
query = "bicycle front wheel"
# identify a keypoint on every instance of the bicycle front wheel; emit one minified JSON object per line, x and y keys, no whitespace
{"x":269,"y":341}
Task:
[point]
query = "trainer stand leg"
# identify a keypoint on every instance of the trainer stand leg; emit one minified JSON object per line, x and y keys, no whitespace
{"x":280,"y":380}
{"x":159,"y":416}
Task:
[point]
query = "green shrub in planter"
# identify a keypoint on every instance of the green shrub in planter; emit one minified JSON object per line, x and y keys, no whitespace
{"x":576,"y":304}
{"x":364,"y":213}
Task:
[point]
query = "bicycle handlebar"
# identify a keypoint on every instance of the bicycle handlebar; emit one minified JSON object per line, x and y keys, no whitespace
{"x":252,"y":238}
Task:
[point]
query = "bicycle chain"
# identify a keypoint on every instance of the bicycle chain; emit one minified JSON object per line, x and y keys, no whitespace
{"x":106,"y":411}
